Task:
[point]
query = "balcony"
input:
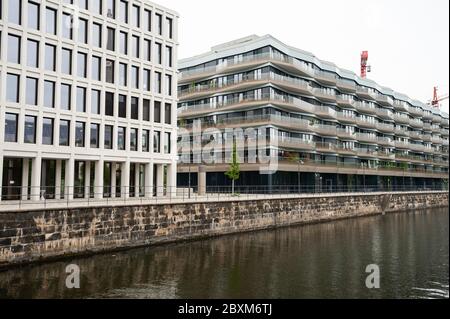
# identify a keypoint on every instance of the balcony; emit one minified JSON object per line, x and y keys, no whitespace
{"x":326,"y":147}
{"x":361,"y":122}
{"x":346,"y":117}
{"x":325,"y":94}
{"x":443,"y":132}
{"x":328,"y":130}
{"x":426,"y":137}
{"x":427,"y":127}
{"x":385,"y":100}
{"x":292,"y":84}
{"x":325,"y":111}
{"x":415,"y":135}
{"x":296,"y":143}
{"x":386,"y":141}
{"x":400,"y":131}
{"x":365,"y":107}
{"x":386,"y":128}
{"x":343,"y":100}
{"x":401,"y":106}
{"x":436,"y":140}
{"x":427,"y":115}
{"x":416,"y":147}
{"x":346,"y":85}
{"x":385,"y":113}
{"x":436,"y":119}
{"x":416,"y":123}
{"x":343,"y":133}
{"x":401,"y":118}
{"x":325,"y":77}
{"x":366,"y":93}
{"x":401,"y":145}
{"x":365,"y":137}
{"x":415,"y":111}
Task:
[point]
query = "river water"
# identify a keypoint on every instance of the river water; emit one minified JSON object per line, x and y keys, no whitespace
{"x":313,"y":261}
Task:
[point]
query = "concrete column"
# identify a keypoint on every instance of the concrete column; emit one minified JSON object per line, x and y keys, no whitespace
{"x":113,"y":179}
{"x":25,"y":167}
{"x":201,"y":180}
{"x":172,"y":179}
{"x":58,"y":172}
{"x":149,"y":180}
{"x":87,"y":178}
{"x":69,"y":180}
{"x":36,"y":165}
{"x":159,"y":180}
{"x":98,"y":180}
{"x":137,"y":183}
{"x":125,"y":186}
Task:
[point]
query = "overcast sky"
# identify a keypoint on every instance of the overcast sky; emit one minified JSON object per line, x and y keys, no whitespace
{"x":407,"y":40}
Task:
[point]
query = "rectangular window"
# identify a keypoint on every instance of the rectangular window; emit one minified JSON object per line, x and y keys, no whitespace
{"x":146,"y":110}
{"x":108,"y":139}
{"x":96,"y":35}
{"x":11,"y":123}
{"x":110,"y":45}
{"x":121,"y":131}
{"x":169,"y":56}
{"x":147,"y":80}
{"x":81,"y":99}
{"x":66,"y":61}
{"x":148,"y":20}
{"x":50,"y":61}
{"x":123,"y":11}
{"x":122,"y":106}
{"x":168,"y":85}
{"x":110,"y":71}
{"x":64,"y":132}
{"x":169,"y":27}
{"x":12,"y":88}
{"x":135,"y":108}
{"x":158,"y":53}
{"x":96,"y":6}
{"x":83,"y":31}
{"x":157,"y":112}
{"x":159,"y":23}
{"x":67,"y":26}
{"x":81,"y":64}
{"x":95,"y":131}
{"x":33,"y":15}
{"x":13,"y":49}
{"x":49,"y":94}
{"x":157,"y":82}
{"x":83,"y":4}
{"x":147,"y":50}
{"x":167,"y":146}
{"x":123,"y":74}
{"x":50,"y":20}
{"x":47,"y":131}
{"x":79,"y":134}
{"x":95,"y":101}
{"x":109,"y":104}
{"x":133,"y":139}
{"x":135,"y":77}
{"x":32,"y":53}
{"x":96,"y":68}
{"x":168,"y":113}
{"x":66,"y":92}
{"x":111,"y":9}
{"x":30,"y":130}
{"x":156,"y":142}
{"x":31,"y":92}
{"x":145,"y":140}
{"x":135,"y":16}
{"x":15,"y":11}
{"x":123,"y":42}
{"x":135,"y":46}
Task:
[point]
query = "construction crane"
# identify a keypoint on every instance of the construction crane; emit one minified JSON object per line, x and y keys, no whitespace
{"x":365,"y":68}
{"x":436,"y":101}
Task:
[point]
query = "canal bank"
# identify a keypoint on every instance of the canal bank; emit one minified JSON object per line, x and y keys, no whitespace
{"x":42,"y":235}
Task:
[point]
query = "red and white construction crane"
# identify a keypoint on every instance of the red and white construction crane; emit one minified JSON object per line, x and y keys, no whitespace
{"x":436,"y":101}
{"x":365,"y":68}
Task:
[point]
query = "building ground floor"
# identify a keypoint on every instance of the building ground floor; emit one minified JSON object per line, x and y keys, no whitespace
{"x":39,"y":178}
{"x":310,"y":182}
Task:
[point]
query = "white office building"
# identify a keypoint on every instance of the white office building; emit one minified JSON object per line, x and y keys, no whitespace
{"x":88,"y":99}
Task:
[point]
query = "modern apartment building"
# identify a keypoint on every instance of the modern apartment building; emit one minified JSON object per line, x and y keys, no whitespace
{"x":326,"y":126}
{"x":87,"y":99}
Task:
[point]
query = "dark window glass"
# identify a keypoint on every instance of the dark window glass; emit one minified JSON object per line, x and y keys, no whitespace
{"x":121,"y":138}
{"x":64,"y":132}
{"x":110,"y":45}
{"x":66,"y":61}
{"x":159,"y":23}
{"x":32,"y":86}
{"x":123,"y":42}
{"x":122,"y":106}
{"x":12,"y":88}
{"x":111,"y":9}
{"x":146,"y":110}
{"x":82,"y":31}
{"x":30,"y":130}
{"x":81,"y":64}
{"x":81,"y":99}
{"x":47,"y":131}
{"x":156,"y":142}
{"x":95,"y":131}
{"x":110,"y":71}
{"x":168,"y":84}
{"x":147,"y":80}
{"x":145,"y":140}
{"x":65,"y":96}
{"x":108,"y":140}
{"x":133,"y":139}
{"x":134,"y":108}
{"x":49,"y":94}
{"x":13,"y":48}
{"x":157,"y":112}
{"x":167,"y":142}
{"x":148,"y":20}
{"x":32,"y":53}
{"x":169,"y":26}
{"x":135,"y":77}
{"x":158,"y":53}
{"x":169,"y":56}
{"x":109,"y":104}
{"x":79,"y":134}
{"x":96,"y":68}
{"x":135,"y":46}
{"x":11,"y":127}
{"x":50,"y":61}
{"x":147,"y":50}
{"x":157,"y":82}
{"x":97,"y":35}
{"x":95,"y":101}
{"x":123,"y":74}
{"x":168,"y":113}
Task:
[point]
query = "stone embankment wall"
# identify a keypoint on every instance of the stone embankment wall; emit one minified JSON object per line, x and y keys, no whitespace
{"x":46,"y":234}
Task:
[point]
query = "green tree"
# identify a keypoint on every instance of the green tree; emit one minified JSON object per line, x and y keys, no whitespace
{"x":233,"y":172}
